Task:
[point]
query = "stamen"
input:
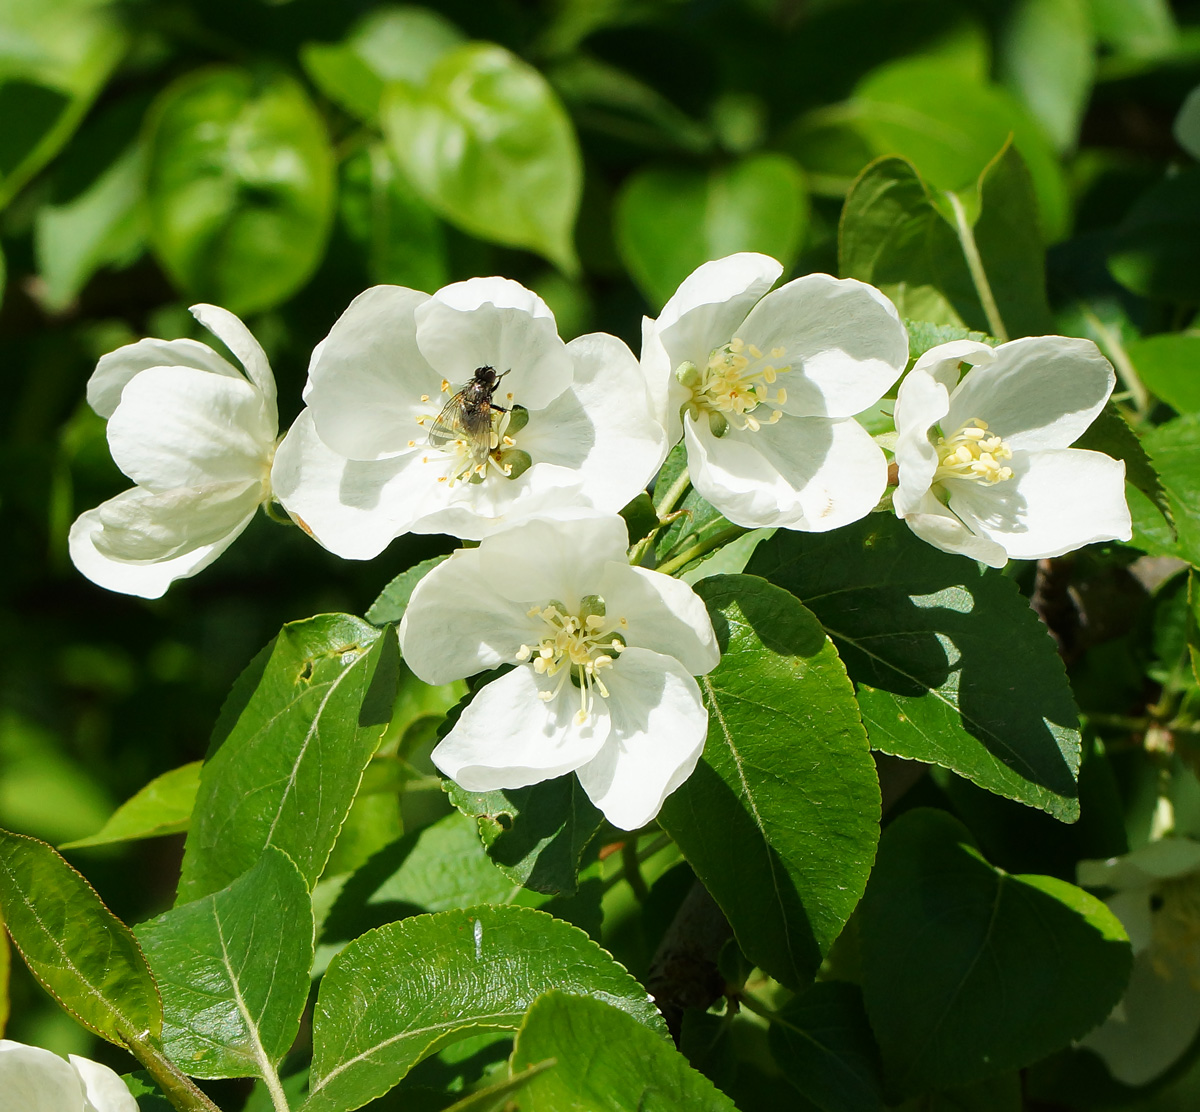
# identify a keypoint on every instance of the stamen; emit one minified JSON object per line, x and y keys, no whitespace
{"x":971,"y":453}
{"x":736,"y":381}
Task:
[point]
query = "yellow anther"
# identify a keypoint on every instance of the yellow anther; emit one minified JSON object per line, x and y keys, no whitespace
{"x":972,"y":454}
{"x":735,"y":382}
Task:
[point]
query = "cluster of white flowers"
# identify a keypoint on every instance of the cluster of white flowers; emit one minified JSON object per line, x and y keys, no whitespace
{"x":465,"y":413}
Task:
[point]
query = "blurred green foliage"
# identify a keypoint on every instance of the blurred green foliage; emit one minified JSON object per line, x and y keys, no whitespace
{"x":278,"y":157}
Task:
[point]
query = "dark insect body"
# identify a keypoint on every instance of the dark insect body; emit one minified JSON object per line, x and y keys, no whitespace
{"x":467,"y":416}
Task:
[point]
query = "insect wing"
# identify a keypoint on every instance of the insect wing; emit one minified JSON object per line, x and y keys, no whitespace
{"x":463,"y":418}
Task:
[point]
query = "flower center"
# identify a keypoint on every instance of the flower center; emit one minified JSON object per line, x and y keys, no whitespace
{"x":734,"y":384}
{"x":1176,"y":928}
{"x":972,"y":454}
{"x":579,"y":646}
{"x":474,"y":437}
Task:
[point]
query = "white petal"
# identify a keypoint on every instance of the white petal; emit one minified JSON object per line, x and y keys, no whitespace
{"x":921,"y":403}
{"x":351,"y":507}
{"x":842,"y":339}
{"x":146,"y":580}
{"x":509,"y":738}
{"x":457,"y":625}
{"x":179,"y":427}
{"x":805,"y":473}
{"x":943,"y":362}
{"x":367,"y":377}
{"x":936,"y":525}
{"x":494,"y":322}
{"x":664,"y":614}
{"x":1163,"y":859}
{"x":34,"y":1080}
{"x":103,"y":1087}
{"x":240,"y":340}
{"x":602,"y":426}
{"x":660,"y":381}
{"x":474,"y":511}
{"x":659,"y":724}
{"x":1057,"y":500}
{"x":1039,"y":392}
{"x":540,"y":559}
{"x":140,"y":526}
{"x":117,"y":367}
{"x":1153,"y":1025}
{"x":711,"y":304}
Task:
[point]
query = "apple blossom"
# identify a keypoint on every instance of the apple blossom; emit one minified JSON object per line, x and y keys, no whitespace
{"x":763,"y":388}
{"x":35,"y":1080}
{"x":984,"y":464}
{"x":371,"y":457}
{"x":1157,"y":898}
{"x":197,"y":437}
{"x":604,"y":655}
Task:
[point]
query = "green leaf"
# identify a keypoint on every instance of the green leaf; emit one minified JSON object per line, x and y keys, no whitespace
{"x":5,"y":974}
{"x":290,"y":767}
{"x":163,"y":806}
{"x":1174,"y":451}
{"x":823,"y":1044}
{"x":670,"y":220}
{"x":1047,"y":58}
{"x":393,"y":599}
{"x":389,"y":44}
{"x":898,"y":236}
{"x":401,"y":239}
{"x":950,"y":126}
{"x":487,"y":144}
{"x":106,"y":224}
{"x":1136,"y":28}
{"x":892,"y":236}
{"x":240,"y":186}
{"x":55,"y":58}
{"x":1169,"y":365}
{"x":1155,"y":247}
{"x":232,"y":968}
{"x":998,"y":1094}
{"x":779,"y":820}
{"x":604,"y":1061}
{"x":78,"y":950}
{"x":922,"y":336}
{"x":397,"y":994}
{"x":497,"y":1097}
{"x":969,"y":972}
{"x":919,"y":631}
{"x":535,"y":835}
{"x":1193,"y":625}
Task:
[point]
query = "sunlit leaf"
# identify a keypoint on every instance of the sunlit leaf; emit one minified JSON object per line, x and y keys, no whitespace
{"x":240,"y":186}
{"x":779,"y":820}
{"x":163,"y":806}
{"x":488,"y":145}
{"x":396,"y":994}
{"x":232,"y":968}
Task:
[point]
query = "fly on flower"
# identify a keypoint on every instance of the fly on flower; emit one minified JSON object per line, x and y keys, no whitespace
{"x":468,"y":418}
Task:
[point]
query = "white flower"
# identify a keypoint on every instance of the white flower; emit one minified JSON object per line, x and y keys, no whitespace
{"x":1157,"y":899}
{"x":605,"y":657}
{"x":197,"y":436}
{"x":763,"y":390}
{"x":34,"y":1080}
{"x":984,"y":464}
{"x":570,"y":424}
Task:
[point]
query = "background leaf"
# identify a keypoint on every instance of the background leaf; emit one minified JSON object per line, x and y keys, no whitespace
{"x":434,"y":978}
{"x":290,"y":767}
{"x":918,"y":630}
{"x":488,"y":145}
{"x":604,"y":1061}
{"x":1154,"y":250}
{"x":232,"y":968}
{"x":240,"y":186}
{"x":969,"y":972}
{"x":669,"y":221}
{"x":393,"y":599}
{"x":779,"y":818}
{"x":1169,"y":365}
{"x":1174,"y":449}
{"x":163,"y":806}
{"x":823,"y":1044}
{"x":78,"y":950}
